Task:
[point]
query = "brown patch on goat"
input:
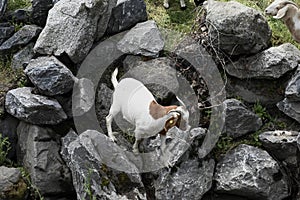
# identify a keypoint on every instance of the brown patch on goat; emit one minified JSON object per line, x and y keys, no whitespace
{"x":173,"y":121}
{"x":158,"y":111}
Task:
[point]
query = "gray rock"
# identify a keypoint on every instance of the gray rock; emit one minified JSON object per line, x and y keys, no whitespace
{"x":40,"y":10}
{"x":290,"y":108}
{"x":39,"y":154}
{"x":6,"y":31}
{"x":71,"y":27}
{"x":104,"y":20}
{"x":251,"y":172}
{"x":12,"y":186}
{"x":143,"y":39}
{"x":237,"y":29}
{"x":269,"y":64}
{"x":102,"y":104}
{"x":3,"y":4}
{"x":191,"y":180}
{"x":131,"y":61}
{"x":90,"y":156}
{"x":50,"y":76}
{"x":158,"y":76}
{"x":21,"y":38}
{"x":32,"y":108}
{"x":83,"y":96}
{"x":21,"y":59}
{"x":282,"y":145}
{"x":298,"y":142}
{"x":293,"y":88}
{"x":126,"y":14}
{"x":265,"y":91}
{"x":239,"y":120}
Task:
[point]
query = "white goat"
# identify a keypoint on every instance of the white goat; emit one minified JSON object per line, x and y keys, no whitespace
{"x":182,"y":3}
{"x":138,"y":107}
{"x":289,"y":12}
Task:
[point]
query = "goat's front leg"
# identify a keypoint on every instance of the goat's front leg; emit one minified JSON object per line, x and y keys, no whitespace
{"x":166,"y":4}
{"x":109,"y":119}
{"x":182,"y":5}
{"x":137,"y":135}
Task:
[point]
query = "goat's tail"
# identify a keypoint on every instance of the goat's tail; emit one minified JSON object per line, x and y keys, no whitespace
{"x":114,"y":78}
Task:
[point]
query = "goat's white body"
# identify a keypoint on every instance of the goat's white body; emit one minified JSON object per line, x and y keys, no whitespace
{"x":133,"y":99}
{"x":289,"y":12}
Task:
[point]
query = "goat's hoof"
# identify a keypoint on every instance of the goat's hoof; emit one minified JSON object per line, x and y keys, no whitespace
{"x":135,"y":151}
{"x":183,"y":7}
{"x":113,"y":138}
{"x":166,"y":5}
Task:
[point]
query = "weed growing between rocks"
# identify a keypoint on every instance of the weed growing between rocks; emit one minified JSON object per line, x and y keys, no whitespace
{"x":4,"y":149}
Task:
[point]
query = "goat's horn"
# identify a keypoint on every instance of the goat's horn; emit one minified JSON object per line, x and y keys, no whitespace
{"x":291,"y":2}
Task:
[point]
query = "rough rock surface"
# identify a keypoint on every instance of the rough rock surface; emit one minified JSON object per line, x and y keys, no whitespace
{"x":6,"y":31}
{"x":144,"y":39}
{"x":158,"y":76}
{"x":238,"y":120}
{"x":50,"y":76}
{"x":237,"y":29}
{"x":21,"y":59}
{"x":189,"y":181}
{"x":39,"y":153}
{"x":90,"y":157}
{"x":251,"y":172}
{"x":293,"y":88}
{"x":3,"y":4}
{"x":32,"y":108}
{"x":40,"y":11}
{"x":290,"y":108}
{"x":83,"y":96}
{"x":126,"y":14}
{"x":12,"y":186}
{"x":104,"y":20}
{"x":21,"y":38}
{"x":61,"y":33}
{"x":283,"y":145}
{"x":269,"y":64}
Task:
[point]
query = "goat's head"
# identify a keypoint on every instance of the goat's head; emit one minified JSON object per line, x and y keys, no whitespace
{"x":178,"y":117}
{"x":279,"y":8}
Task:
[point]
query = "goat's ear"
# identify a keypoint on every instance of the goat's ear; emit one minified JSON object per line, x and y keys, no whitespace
{"x":281,"y":13}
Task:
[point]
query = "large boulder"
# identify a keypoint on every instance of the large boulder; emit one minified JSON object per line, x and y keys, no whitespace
{"x":237,"y":29}
{"x":283,"y":145}
{"x":12,"y":185}
{"x":21,"y":38}
{"x":191,"y":180}
{"x":32,"y":108}
{"x":94,"y":160}
{"x":143,"y":39}
{"x":269,"y":64}
{"x":252,"y":173}
{"x":290,"y":108}
{"x":50,"y":76}
{"x":39,"y":154}
{"x":126,"y":14}
{"x":71,"y":27}
{"x":239,"y":120}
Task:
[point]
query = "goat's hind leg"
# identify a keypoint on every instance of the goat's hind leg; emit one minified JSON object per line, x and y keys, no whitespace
{"x":109,"y":118}
{"x":182,"y":5}
{"x":166,"y":4}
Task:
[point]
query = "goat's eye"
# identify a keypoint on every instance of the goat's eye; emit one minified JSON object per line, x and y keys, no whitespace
{"x":171,"y":121}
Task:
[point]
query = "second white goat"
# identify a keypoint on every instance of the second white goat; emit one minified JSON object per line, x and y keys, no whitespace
{"x":138,"y":107}
{"x":289,"y":12}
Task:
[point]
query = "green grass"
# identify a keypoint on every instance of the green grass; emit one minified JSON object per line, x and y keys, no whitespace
{"x":4,"y":149}
{"x":183,"y":21}
{"x":172,"y":18}
{"x":17,"y":4}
